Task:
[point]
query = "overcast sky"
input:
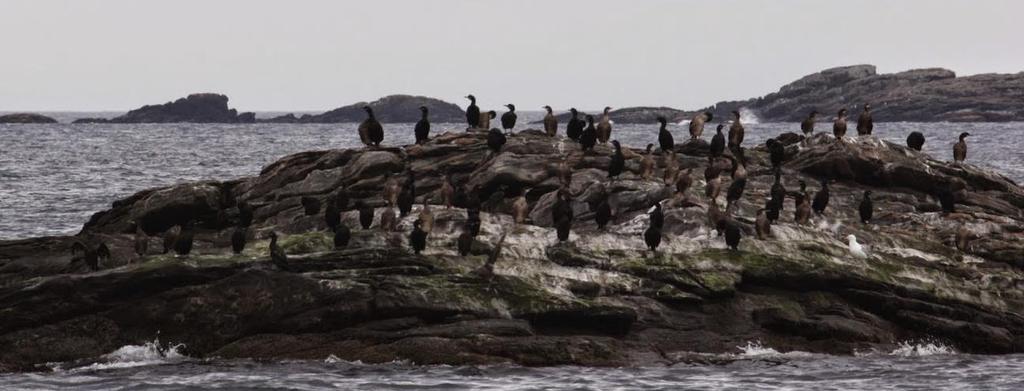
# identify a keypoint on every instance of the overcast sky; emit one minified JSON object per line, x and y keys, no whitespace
{"x":316,"y":55}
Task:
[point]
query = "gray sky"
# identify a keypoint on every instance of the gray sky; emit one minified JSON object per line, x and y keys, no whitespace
{"x":316,"y":55}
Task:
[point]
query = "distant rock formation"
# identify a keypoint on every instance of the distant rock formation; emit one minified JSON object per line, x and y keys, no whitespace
{"x":635,"y":115}
{"x":26,"y":118}
{"x":391,"y":108}
{"x":195,"y":108}
{"x":919,"y":95}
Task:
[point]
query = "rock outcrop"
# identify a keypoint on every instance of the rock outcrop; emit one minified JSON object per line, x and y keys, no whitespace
{"x":633,"y":115}
{"x":391,"y":108}
{"x":26,"y":118}
{"x":919,"y":95}
{"x":195,"y":108}
{"x":599,"y":299}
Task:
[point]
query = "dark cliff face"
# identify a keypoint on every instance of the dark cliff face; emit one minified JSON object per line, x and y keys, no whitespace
{"x":391,"y":108}
{"x":195,"y":108}
{"x":26,"y":118}
{"x":919,"y":95}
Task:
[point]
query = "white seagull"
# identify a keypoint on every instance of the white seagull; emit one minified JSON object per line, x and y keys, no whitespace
{"x":855,"y":248}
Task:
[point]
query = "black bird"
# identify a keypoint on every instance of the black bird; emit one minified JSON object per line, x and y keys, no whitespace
{"x":472,"y":112}
{"x":602,"y":212}
{"x":733,"y":234}
{"x":183,"y":245}
{"x":776,"y":152}
{"x":473,"y":221}
{"x":562,"y":228}
{"x":717,"y":146}
{"x":771,"y":211}
{"x":332,"y":216}
{"x":736,"y":131}
{"x":342,"y":235}
{"x":618,"y":162}
{"x":83,"y":251}
{"x":310,"y":205}
{"x":589,"y":136}
{"x":821,"y":199}
{"x":652,"y":237}
{"x":495,"y":140}
{"x":550,"y":122}
{"x":245,"y":213}
{"x":277,"y":254}
{"x":865,"y":124}
{"x":657,"y":216}
{"x":665,"y":139}
{"x":735,"y":191}
{"x":946,"y":200}
{"x":960,"y":148}
{"x":867,"y":208}
{"x":465,"y":242}
{"x":839,"y":126}
{"x":365,"y":214}
{"x":562,"y":207}
{"x":575,"y":127}
{"x":915,"y":140}
{"x":370,"y":131}
{"x":778,"y":198}
{"x":418,"y":237}
{"x":508,"y":119}
{"x":238,"y":240}
{"x":422,"y":130}
{"x":407,"y":196}
{"x":807,"y":126}
{"x":495,"y":200}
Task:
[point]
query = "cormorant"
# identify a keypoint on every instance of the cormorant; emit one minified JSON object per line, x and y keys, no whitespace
{"x":407,"y":196}
{"x":141,"y":240}
{"x":589,"y":136}
{"x":342,"y":235}
{"x":652,"y":237}
{"x":657,"y":216}
{"x":864,"y":123}
{"x":508,"y":120}
{"x":762,"y":224}
{"x":277,"y":254}
{"x":771,"y":211}
{"x":778,"y":193}
{"x":565,"y":171}
{"x":647,"y":164}
{"x":418,"y":237}
{"x":562,"y":207}
{"x":495,"y":140}
{"x":712,"y":176}
{"x":736,"y":131}
{"x":427,"y":217}
{"x":915,"y":140}
{"x":465,"y":241}
{"x":821,"y":199}
{"x":365,"y":214}
{"x":839,"y":126}
{"x":183,"y":244}
{"x":388,"y":220}
{"x":422,"y":130}
{"x":715,"y":218}
{"x":618,"y":162}
{"x":946,"y":199}
{"x":170,"y":236}
{"x":473,"y":221}
{"x":604,"y":127}
{"x":684,"y":181}
{"x":803,"y":205}
{"x":717,"y":146}
{"x":807,"y":126}
{"x":245,"y":214}
{"x":960,"y":148}
{"x":485,"y":119}
{"x":962,"y":238}
{"x":332,"y":216}
{"x":665,"y":139}
{"x":495,"y":200}
{"x":735,"y":191}
{"x":238,"y":240}
{"x":562,"y":228}
{"x":867,"y":208}
{"x":391,"y":189}
{"x":83,"y":251}
{"x":575,"y":127}
{"x":602,"y":212}
{"x":550,"y":122}
{"x":370,"y":131}
{"x":733,"y":234}
{"x":697,"y":124}
{"x":472,"y":112}
{"x":310,"y":205}
{"x":520,"y":208}
{"x":776,"y":152}
{"x":447,"y":191}
{"x":671,"y":167}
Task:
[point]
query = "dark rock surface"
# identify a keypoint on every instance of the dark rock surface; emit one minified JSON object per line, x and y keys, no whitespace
{"x":632,"y":115}
{"x":391,"y":108}
{"x":195,"y":108}
{"x":26,"y":118}
{"x":918,"y":95}
{"x":599,"y":299}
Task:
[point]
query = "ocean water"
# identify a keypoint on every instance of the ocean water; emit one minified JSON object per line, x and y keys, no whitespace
{"x":53,"y":177}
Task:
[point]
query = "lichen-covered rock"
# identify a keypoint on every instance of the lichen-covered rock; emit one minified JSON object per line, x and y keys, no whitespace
{"x":601,"y":298}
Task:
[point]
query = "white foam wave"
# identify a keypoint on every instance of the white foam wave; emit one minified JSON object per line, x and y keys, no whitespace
{"x":755,"y":349}
{"x":128,"y":356}
{"x":908,"y":349}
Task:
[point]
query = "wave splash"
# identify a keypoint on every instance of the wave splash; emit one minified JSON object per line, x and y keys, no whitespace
{"x":150,"y":353}
{"x":921,"y":349}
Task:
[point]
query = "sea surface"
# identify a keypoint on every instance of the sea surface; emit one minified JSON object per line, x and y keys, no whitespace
{"x":54,"y":176}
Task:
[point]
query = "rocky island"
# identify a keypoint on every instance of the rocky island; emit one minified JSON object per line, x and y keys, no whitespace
{"x":599,"y":299}
{"x":391,"y":108}
{"x":195,"y":108}
{"x":26,"y":118}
